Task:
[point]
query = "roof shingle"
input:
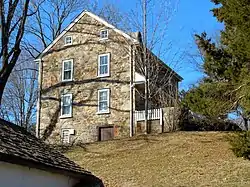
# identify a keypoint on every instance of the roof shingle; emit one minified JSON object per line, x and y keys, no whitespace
{"x":17,"y":145}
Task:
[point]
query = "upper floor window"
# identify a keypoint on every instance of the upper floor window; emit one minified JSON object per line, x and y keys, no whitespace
{"x":68,"y":40}
{"x":66,"y":105}
{"x":67,"y":70}
{"x":103,"y":101}
{"x":103,"y":65}
{"x":104,"y":34}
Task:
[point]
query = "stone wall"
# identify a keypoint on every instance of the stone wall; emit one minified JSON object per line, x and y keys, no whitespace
{"x":154,"y":127}
{"x":171,"y":118}
{"x":84,"y":52}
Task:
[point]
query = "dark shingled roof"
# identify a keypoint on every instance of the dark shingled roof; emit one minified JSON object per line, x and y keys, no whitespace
{"x":20,"y":147}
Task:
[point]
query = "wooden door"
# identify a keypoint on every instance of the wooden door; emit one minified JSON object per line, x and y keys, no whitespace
{"x":106,"y":133}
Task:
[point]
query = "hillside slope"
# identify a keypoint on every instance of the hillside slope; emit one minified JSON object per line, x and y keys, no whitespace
{"x":177,"y":159}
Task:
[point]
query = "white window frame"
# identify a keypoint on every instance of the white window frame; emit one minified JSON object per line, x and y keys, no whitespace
{"x":62,"y":137}
{"x":104,"y":38}
{"x":108,"y":100}
{"x":65,"y":40}
{"x":72,"y":70}
{"x":99,"y":60}
{"x":71,"y":106}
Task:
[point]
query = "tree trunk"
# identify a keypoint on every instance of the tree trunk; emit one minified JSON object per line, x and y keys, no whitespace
{"x":2,"y":86}
{"x":145,"y":62}
{"x":245,"y":121}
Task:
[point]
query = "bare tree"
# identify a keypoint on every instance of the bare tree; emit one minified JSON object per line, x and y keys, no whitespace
{"x":20,"y":94}
{"x":50,"y":20}
{"x":52,"y":16}
{"x":159,"y":88}
{"x":13,"y":16}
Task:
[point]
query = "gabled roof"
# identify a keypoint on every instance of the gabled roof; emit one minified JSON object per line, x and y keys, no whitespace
{"x":134,"y":37}
{"x":22,"y":148}
{"x":99,"y":19}
{"x":166,"y":66}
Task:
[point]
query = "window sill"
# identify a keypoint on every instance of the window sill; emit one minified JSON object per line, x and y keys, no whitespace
{"x":66,"y":45}
{"x":103,"y":39}
{"x":65,"y":117}
{"x":65,"y":81}
{"x":103,"y":76}
{"x":103,"y":113}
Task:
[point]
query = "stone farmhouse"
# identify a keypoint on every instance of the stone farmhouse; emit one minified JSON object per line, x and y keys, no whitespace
{"x":91,"y":85}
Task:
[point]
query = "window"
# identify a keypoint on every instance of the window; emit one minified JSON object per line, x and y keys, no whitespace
{"x":67,"y":70}
{"x":103,"y":65}
{"x":65,"y":136}
{"x":68,"y":40}
{"x":104,"y":34}
{"x":103,"y":101}
{"x":66,"y":105}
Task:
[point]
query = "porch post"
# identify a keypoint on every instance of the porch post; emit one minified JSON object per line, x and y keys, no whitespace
{"x":161,"y":119}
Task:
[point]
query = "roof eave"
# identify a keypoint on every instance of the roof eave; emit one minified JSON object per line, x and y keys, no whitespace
{"x":41,"y":166}
{"x":134,"y":41}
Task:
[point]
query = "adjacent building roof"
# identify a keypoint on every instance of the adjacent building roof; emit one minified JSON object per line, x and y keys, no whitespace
{"x":17,"y":146}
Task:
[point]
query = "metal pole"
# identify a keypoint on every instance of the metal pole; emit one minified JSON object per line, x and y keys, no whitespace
{"x":145,"y":61}
{"x":38,"y":116}
{"x":131,"y":92}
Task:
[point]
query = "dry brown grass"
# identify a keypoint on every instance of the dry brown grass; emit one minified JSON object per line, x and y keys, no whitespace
{"x":178,"y":159}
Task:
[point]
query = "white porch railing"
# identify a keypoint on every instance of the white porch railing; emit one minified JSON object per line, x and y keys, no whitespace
{"x":153,"y":114}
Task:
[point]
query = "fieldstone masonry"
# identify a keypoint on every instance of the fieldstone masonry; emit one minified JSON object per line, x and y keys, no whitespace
{"x":84,"y":52}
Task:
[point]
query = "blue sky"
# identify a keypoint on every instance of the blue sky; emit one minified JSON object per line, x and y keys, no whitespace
{"x":192,"y":16}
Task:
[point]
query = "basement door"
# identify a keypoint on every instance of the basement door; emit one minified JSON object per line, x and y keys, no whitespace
{"x":106,"y":133}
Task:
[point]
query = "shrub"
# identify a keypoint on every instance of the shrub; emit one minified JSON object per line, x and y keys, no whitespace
{"x":240,"y":143}
{"x":191,"y":121}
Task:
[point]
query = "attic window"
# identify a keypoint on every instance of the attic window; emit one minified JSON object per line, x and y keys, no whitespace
{"x":68,"y":40}
{"x":104,"y":34}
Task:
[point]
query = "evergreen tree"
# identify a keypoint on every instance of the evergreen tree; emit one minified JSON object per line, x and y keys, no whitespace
{"x":226,"y":86}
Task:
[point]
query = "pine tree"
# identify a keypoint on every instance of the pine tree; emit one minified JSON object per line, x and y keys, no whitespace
{"x":226,"y":86}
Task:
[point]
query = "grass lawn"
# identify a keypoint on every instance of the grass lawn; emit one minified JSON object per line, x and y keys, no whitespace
{"x":176,"y":159}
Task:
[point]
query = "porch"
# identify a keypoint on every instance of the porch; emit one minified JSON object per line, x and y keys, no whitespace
{"x":161,"y":115}
{"x":155,"y":121}
{"x":153,"y":114}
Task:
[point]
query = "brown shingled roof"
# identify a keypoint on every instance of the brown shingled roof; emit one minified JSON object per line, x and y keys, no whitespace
{"x":20,"y":147}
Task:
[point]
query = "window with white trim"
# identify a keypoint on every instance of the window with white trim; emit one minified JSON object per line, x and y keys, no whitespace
{"x":103,"y":101}
{"x":68,"y":40}
{"x":65,"y":136}
{"x":104,"y":34}
{"x":103,"y":65}
{"x":67,"y":70}
{"x":66,"y":105}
